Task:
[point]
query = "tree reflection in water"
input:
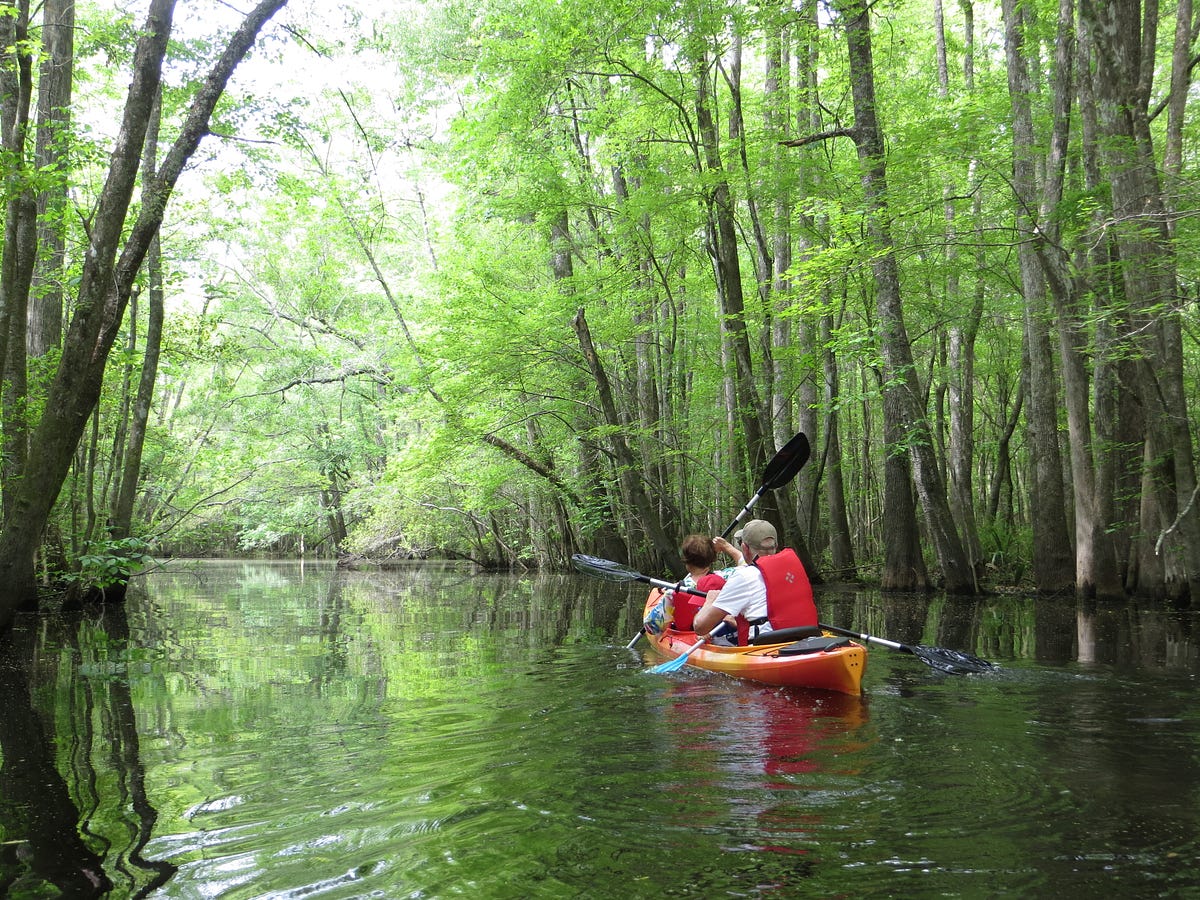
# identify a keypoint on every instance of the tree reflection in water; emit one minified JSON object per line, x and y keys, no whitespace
{"x":73,"y":806}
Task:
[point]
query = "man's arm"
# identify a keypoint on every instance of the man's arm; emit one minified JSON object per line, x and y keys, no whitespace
{"x":709,"y":615}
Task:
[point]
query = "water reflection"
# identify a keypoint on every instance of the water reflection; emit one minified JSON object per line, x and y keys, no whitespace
{"x":759,"y":766}
{"x":73,"y":801}
{"x":247,"y":729}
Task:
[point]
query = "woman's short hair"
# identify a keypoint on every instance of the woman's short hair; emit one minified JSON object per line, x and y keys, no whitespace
{"x":698,"y":550}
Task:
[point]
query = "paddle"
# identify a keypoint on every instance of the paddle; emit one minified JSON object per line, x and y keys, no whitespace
{"x":779,"y":471}
{"x":680,"y":661}
{"x":952,"y":662}
{"x":614,"y":571}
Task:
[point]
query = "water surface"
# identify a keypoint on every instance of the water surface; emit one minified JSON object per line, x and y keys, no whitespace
{"x":250,"y":729}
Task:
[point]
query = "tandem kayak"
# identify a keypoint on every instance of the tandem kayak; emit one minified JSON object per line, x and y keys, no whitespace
{"x":829,"y":664}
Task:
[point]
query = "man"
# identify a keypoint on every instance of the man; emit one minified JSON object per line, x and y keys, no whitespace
{"x":768,"y":590}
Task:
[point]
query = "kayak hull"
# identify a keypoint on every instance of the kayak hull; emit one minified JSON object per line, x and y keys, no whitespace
{"x":840,"y":669}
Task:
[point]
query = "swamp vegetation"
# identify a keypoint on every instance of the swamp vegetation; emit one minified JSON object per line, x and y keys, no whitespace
{"x":515,"y":280}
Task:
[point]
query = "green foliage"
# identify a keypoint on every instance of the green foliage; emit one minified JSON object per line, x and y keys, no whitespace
{"x":372,"y":299}
{"x":109,"y":563}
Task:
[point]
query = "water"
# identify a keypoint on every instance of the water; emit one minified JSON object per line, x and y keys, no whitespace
{"x":249,"y":730}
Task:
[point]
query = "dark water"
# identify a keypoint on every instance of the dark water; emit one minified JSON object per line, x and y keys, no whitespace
{"x":243,"y":730}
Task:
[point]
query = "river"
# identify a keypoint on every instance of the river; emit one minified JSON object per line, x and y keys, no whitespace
{"x":249,"y":729}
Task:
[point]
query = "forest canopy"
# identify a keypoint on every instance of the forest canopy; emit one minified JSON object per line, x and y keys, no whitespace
{"x":514,"y":280}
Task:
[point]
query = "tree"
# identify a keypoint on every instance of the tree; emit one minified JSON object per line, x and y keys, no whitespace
{"x":1052,"y":563}
{"x":901,"y":379}
{"x":1122,"y":83}
{"x":112,"y":263}
{"x":131,"y":469}
{"x":53,"y":160}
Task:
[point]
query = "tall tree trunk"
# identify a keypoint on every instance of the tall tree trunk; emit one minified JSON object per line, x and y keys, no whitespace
{"x":1119,"y":417}
{"x":1095,"y":563}
{"x":773,"y":254}
{"x":806,"y":334}
{"x":20,"y":242}
{"x":1053,"y":568}
{"x":105,"y":285}
{"x":664,"y":551}
{"x":962,"y":329}
{"x":1095,"y":560}
{"x":904,"y":566}
{"x":723,"y":249}
{"x":122,"y":517}
{"x":841,"y":545}
{"x":1000,"y":491}
{"x":52,"y":159}
{"x":901,"y":376}
{"x":598,"y":503}
{"x":1123,"y":78}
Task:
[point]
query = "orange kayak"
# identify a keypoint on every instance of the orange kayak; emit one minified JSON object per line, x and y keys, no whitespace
{"x":816,"y":662}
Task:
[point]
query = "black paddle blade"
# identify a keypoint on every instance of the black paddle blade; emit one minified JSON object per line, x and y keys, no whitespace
{"x":952,"y":662}
{"x":787,"y":462}
{"x":605,"y":568}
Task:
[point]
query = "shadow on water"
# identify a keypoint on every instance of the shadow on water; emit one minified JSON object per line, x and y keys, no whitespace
{"x":73,"y":803}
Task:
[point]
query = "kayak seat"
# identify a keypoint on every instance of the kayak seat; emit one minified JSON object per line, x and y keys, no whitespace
{"x":783,"y":635}
{"x":814,"y":645}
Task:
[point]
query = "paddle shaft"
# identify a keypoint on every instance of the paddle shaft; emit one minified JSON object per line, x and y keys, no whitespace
{"x":866,"y":638}
{"x":745,"y":509}
{"x":671,"y":586}
{"x":952,"y":662}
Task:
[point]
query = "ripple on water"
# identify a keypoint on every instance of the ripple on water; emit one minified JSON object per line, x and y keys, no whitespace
{"x":572,"y":773}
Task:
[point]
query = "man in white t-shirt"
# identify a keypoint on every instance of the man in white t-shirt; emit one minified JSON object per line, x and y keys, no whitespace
{"x":745,"y":592}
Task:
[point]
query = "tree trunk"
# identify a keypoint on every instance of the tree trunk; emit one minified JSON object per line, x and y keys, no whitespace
{"x":105,"y":285}
{"x":962,"y":329}
{"x":723,"y":249}
{"x":1053,"y":568}
{"x":665,"y":552}
{"x":805,"y":337}
{"x":903,"y":382}
{"x":1119,"y":417}
{"x":1094,"y":563}
{"x":122,"y":516}
{"x":54,"y":113}
{"x":598,"y":503}
{"x":20,"y":241}
{"x":904,"y":566}
{"x":1000,"y":491}
{"x":1123,"y":77}
{"x":841,"y":545}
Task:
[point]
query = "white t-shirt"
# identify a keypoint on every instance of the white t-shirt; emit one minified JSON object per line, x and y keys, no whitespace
{"x":745,"y":593}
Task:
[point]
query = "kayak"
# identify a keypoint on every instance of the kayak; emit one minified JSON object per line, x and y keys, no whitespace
{"x":820,"y":662}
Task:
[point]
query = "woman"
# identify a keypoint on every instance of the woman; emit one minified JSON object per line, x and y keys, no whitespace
{"x":698,"y":554}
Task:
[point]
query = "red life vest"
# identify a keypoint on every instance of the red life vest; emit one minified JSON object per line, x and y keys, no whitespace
{"x":789,"y":594}
{"x":687,"y":605}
